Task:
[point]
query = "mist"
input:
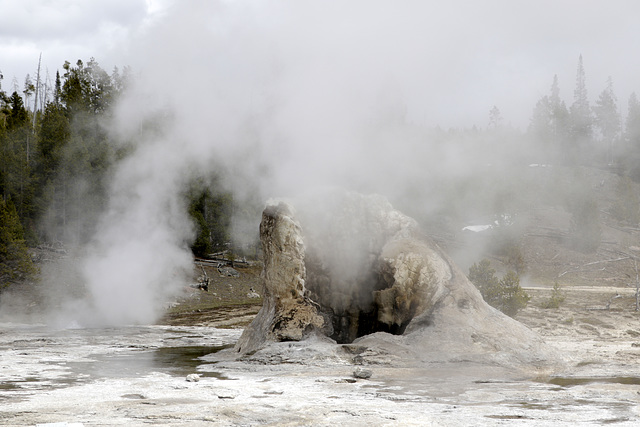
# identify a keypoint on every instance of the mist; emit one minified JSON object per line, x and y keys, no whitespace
{"x":277,"y":99}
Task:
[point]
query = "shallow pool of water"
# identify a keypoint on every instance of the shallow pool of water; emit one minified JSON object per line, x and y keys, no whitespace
{"x":175,"y":361}
{"x":37,"y":358}
{"x":575,"y":381}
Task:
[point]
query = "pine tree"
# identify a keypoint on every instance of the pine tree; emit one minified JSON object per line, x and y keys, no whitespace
{"x":14,"y":168}
{"x":495,"y":118}
{"x":15,"y":262}
{"x":632,"y":124}
{"x":511,"y":297}
{"x":559,"y":114}
{"x":83,"y":158}
{"x":549,"y":124}
{"x":632,"y":138}
{"x":57,"y":92}
{"x":483,"y":276}
{"x":29,"y":89}
{"x":557,"y":297}
{"x":50,"y":197}
{"x":4,"y":99}
{"x":540,"y":127}
{"x":18,"y":115}
{"x":607,"y":119}
{"x":580,"y":118}
{"x":504,"y":294}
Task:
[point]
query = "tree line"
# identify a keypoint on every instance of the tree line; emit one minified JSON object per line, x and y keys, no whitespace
{"x":55,"y":159}
{"x":56,"y":155}
{"x":585,"y":134}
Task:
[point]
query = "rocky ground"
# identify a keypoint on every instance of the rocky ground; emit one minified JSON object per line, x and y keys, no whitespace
{"x":229,"y":301}
{"x":138,"y":375}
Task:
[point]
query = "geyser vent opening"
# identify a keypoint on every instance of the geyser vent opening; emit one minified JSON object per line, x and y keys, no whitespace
{"x":352,"y":307}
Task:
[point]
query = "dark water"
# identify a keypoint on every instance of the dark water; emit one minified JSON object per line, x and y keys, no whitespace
{"x":175,"y":361}
{"x":574,"y":381}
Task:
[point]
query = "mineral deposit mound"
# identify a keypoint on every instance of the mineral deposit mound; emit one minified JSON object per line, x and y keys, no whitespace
{"x":352,"y":268}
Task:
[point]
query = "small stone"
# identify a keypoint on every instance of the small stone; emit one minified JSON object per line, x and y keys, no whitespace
{"x":193,"y":378}
{"x":362,"y":373}
{"x":226,"y":394}
{"x":133,"y":396}
{"x":346,"y":380}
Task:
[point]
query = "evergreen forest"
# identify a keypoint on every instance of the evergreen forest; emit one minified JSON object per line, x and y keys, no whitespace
{"x":56,"y":157}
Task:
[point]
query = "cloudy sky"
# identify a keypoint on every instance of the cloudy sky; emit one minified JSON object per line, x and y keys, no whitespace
{"x":65,"y":30}
{"x":447,"y":62}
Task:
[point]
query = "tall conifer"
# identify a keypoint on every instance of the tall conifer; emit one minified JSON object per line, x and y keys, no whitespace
{"x":580,"y":117}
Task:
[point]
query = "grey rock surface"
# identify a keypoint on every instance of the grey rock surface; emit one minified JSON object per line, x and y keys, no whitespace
{"x":352,"y":268}
{"x":362,"y":373}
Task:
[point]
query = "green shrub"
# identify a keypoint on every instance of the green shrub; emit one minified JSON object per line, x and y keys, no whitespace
{"x":483,"y":276}
{"x":557,"y":297}
{"x":505,"y":294}
{"x":510,"y":297}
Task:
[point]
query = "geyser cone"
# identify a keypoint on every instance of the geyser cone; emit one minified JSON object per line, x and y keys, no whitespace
{"x":351,"y":267}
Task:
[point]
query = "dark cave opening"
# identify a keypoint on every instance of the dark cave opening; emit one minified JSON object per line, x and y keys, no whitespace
{"x":351,"y":306}
{"x":353,"y":324}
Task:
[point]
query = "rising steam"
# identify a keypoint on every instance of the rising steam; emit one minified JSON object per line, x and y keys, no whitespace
{"x":275,"y":98}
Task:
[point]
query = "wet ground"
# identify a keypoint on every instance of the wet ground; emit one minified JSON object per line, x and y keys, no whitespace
{"x":134,"y":376}
{"x":34,"y":359}
{"x":138,"y":376}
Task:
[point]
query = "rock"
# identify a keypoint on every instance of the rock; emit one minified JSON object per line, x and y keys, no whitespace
{"x":193,"y":378}
{"x":252,"y":294}
{"x":352,"y":268}
{"x":133,"y":396}
{"x":286,"y":314}
{"x":362,"y":373}
{"x":228,"y":272}
{"x":226,"y":394}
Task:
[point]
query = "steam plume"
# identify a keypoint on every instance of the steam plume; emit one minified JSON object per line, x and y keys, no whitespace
{"x":276,"y":97}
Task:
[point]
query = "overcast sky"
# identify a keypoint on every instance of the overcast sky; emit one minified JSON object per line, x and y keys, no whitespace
{"x":449,"y":61}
